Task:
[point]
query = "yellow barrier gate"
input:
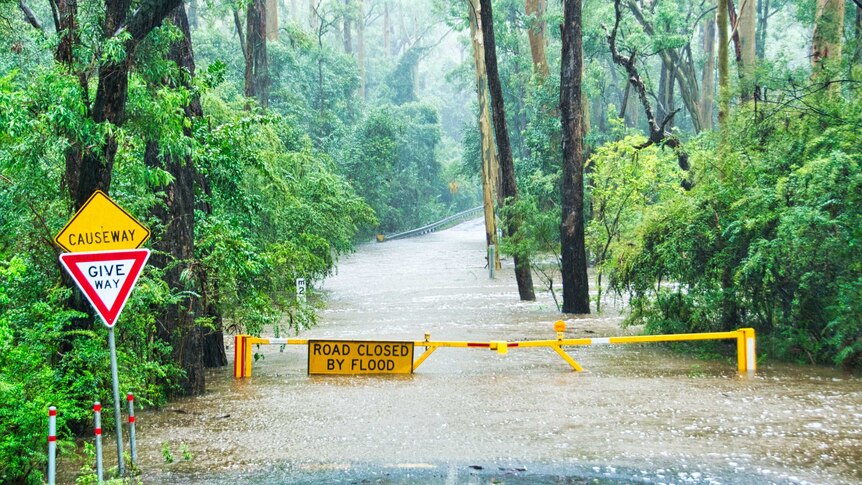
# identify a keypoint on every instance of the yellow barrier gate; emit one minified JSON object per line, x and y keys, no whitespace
{"x":376,"y":357}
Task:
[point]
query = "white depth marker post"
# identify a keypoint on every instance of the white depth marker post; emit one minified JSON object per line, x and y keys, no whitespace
{"x":117,"y":419}
{"x":52,"y":445}
{"x":300,"y":290}
{"x":133,"y":449}
{"x":100,"y":469}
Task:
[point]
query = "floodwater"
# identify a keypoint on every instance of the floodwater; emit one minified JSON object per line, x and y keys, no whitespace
{"x":638,"y":414}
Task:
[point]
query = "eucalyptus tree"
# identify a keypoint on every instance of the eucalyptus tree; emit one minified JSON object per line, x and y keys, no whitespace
{"x":507,"y":168}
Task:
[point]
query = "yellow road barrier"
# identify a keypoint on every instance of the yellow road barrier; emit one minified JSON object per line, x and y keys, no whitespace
{"x":745,"y":347}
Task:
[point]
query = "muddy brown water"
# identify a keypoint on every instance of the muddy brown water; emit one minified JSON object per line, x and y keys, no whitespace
{"x":638,"y":414}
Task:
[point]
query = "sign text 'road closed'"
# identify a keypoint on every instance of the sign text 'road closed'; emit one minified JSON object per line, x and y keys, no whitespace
{"x":348,"y":357}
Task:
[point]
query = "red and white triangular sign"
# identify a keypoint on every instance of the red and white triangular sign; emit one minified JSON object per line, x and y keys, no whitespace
{"x":106,"y":278}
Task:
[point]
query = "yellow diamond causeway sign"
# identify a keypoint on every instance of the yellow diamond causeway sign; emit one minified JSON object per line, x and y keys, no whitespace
{"x":101,"y":225}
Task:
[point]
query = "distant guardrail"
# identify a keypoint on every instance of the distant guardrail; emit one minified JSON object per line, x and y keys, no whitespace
{"x":433,"y":227}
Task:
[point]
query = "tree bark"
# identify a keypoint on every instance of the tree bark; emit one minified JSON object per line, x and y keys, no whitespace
{"x":576,"y":295}
{"x":29,"y":16}
{"x":313,"y":19}
{"x":347,"y":30}
{"x":721,"y":17}
{"x":360,"y":48}
{"x":490,"y":170}
{"x":828,"y":32}
{"x":271,"y":9}
{"x":665,"y":93}
{"x":387,"y":30}
{"x":857,"y":55}
{"x":535,"y":10}
{"x":707,"y":80}
{"x":175,"y":250}
{"x":504,"y":149}
{"x":256,"y":68}
{"x":762,"y":24}
{"x":747,"y":39}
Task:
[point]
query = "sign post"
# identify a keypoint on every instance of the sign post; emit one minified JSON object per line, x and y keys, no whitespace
{"x":115,"y":381}
{"x":105,"y":262}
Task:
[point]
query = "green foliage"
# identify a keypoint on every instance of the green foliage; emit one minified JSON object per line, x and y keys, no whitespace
{"x":392,"y":162}
{"x":623,"y":183}
{"x":769,"y":237}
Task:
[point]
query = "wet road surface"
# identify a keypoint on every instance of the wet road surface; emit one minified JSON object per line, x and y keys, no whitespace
{"x":638,"y":414}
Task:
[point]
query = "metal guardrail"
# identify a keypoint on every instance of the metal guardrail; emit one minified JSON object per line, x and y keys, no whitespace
{"x":433,"y":227}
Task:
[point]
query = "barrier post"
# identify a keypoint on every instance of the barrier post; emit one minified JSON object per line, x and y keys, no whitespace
{"x":239,"y":356}
{"x":52,"y":445}
{"x":491,"y":260}
{"x":100,"y":469}
{"x":133,"y":449}
{"x":746,"y":353}
{"x":248,"y":356}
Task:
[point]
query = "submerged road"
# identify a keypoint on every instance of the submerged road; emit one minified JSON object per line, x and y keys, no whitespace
{"x":638,"y":414}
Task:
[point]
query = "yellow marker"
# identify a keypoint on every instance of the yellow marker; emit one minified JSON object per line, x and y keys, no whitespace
{"x":501,"y":346}
{"x":348,"y":357}
{"x":101,"y":225}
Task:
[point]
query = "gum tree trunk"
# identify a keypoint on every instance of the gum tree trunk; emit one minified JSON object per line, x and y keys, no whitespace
{"x":490,"y":170}
{"x":504,"y":148}
{"x":576,"y":295}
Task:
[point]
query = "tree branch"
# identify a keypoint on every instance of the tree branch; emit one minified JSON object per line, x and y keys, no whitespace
{"x":657,"y":133}
{"x":147,"y":17}
{"x":29,"y":15}
{"x":239,"y":32}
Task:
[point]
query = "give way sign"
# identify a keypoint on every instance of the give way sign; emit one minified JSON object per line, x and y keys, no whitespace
{"x":106,"y":278}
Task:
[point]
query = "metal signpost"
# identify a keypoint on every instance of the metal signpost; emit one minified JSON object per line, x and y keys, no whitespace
{"x":103,"y":260}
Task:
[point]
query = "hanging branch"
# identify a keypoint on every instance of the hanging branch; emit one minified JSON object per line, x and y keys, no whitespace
{"x":657,"y":133}
{"x":29,"y":15}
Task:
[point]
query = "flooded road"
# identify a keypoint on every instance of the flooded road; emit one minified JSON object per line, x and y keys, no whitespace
{"x":638,"y":414}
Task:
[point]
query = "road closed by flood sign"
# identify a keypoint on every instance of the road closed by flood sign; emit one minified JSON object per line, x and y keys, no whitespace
{"x":351,"y":357}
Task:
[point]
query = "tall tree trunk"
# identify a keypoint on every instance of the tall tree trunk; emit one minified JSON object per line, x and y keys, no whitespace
{"x":535,"y":10}
{"x":313,"y":15}
{"x":175,"y":250}
{"x":747,"y":39}
{"x":360,"y":48}
{"x":665,"y":93}
{"x":828,"y":32}
{"x":256,"y":67}
{"x":387,"y":30}
{"x":721,"y":18}
{"x":520,"y":115}
{"x":576,"y":295}
{"x":490,"y":170}
{"x":857,"y":55}
{"x":347,"y":34}
{"x":762,"y":24}
{"x":271,"y":19}
{"x":504,"y":149}
{"x":707,"y":80}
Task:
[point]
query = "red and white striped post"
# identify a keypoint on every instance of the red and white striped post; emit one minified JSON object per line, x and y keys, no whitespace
{"x":100,"y":469}
{"x":52,"y":445}
{"x":132,"y":447}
